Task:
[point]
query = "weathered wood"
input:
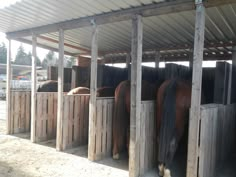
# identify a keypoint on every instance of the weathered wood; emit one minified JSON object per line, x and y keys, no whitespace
{"x":59,"y":140}
{"x":222,"y":75}
{"x":20,"y":112}
{"x":233,"y":84}
{"x":45,"y":116}
{"x":122,"y":15}
{"x":93,"y":88}
{"x":216,"y":137}
{"x":157,"y":58}
{"x":8,"y":89}
{"x":136,"y":73}
{"x":196,"y":91}
{"x":33,"y":87}
{"x":103,"y":128}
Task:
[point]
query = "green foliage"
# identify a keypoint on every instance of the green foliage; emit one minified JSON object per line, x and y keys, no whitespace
{"x":49,"y":60}
{"x":69,"y":61}
{"x":3,"y":53}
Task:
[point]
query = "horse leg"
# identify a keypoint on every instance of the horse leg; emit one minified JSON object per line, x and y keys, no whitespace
{"x":161,"y":169}
{"x":167,"y":173}
{"x":115,"y":150}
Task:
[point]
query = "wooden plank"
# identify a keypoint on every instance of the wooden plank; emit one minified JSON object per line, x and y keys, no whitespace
{"x":87,"y":118}
{"x":99,"y":130}
{"x":70,"y":120}
{"x":65,"y":127}
{"x":22,"y":112}
{"x":50,"y":116}
{"x":196,"y":91}
{"x":110,"y":107}
{"x":136,"y":73}
{"x":93,"y":88}
{"x":104,"y":127}
{"x":17,"y":112}
{"x":76,"y":119}
{"x":27,"y":110}
{"x":143,"y":148}
{"x":33,"y":87}
{"x":9,"y":120}
{"x":157,"y":59}
{"x":82,"y":120}
{"x":59,"y":139}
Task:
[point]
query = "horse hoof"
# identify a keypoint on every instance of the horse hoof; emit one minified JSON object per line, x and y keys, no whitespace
{"x":167,"y":173}
{"x":116,"y":157}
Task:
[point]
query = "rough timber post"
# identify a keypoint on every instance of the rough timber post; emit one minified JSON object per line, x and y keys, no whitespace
{"x":93,"y":88}
{"x":157,"y":59}
{"x":128,"y":59}
{"x":8,"y":88}
{"x":233,"y":85}
{"x":136,"y":73}
{"x":59,"y":141}
{"x":192,"y":162}
{"x":33,"y":88}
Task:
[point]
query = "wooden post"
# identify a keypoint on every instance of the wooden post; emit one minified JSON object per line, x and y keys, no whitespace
{"x":59,"y":141}
{"x":128,"y":59}
{"x":233,"y":84}
{"x":191,"y":59}
{"x":192,"y":163}
{"x":93,"y":88}
{"x":8,"y":88}
{"x":33,"y":88}
{"x":136,"y":73}
{"x":157,"y":58}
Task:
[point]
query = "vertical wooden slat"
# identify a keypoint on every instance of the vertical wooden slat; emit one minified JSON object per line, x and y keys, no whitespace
{"x":8,"y":90}
{"x":33,"y":88}
{"x":50,"y":116}
{"x":65,"y":122}
{"x":27,"y":111}
{"x":93,"y":88}
{"x":136,"y":73}
{"x":76,"y":119}
{"x":110,"y":107}
{"x":104,"y":127}
{"x":196,"y":90}
{"x":99,"y":130}
{"x":60,"y":123}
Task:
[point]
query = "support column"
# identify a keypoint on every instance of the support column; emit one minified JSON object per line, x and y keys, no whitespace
{"x":59,"y":141}
{"x":191,"y":59}
{"x":93,"y":88}
{"x":157,"y":58}
{"x":8,"y":88}
{"x":192,"y":162}
{"x":233,"y":85}
{"x":136,"y":77}
{"x":128,"y":59}
{"x":33,"y":88}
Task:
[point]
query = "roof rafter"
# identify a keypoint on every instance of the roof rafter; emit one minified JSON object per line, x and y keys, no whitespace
{"x":121,"y":15}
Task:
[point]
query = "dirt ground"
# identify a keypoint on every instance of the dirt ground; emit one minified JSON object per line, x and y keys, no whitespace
{"x":21,"y":158}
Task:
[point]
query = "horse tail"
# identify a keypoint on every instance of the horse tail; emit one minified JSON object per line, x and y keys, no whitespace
{"x":120,"y":117}
{"x":168,"y":119}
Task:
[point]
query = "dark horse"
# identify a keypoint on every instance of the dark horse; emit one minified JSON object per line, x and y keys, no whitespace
{"x":121,"y":119}
{"x":173,"y":103}
{"x":51,"y":86}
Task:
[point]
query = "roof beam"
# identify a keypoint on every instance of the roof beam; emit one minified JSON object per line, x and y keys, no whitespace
{"x":121,"y":15}
{"x":42,"y":46}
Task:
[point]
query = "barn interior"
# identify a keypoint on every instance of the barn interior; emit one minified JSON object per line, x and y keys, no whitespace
{"x":168,"y":36}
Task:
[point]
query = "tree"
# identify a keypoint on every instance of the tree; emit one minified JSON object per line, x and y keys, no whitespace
{"x":49,"y":60}
{"x":3,"y":53}
{"x":22,"y":58}
{"x":69,"y":61}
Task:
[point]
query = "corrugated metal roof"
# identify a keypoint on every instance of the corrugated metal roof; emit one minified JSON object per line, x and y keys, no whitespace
{"x":162,"y":32}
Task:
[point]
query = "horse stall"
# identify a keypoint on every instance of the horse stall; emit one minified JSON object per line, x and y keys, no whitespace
{"x":19,"y":121}
{"x":216,"y":137}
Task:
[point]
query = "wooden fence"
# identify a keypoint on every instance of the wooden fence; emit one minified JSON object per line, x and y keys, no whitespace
{"x":217,"y":136}
{"x":20,"y":112}
{"x":102,"y":129}
{"x":75,"y":120}
{"x":148,"y":146}
{"x":46,"y":116}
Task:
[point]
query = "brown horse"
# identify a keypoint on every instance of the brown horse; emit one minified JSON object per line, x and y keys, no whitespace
{"x":79,"y":90}
{"x":121,"y":119}
{"x":173,"y":103}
